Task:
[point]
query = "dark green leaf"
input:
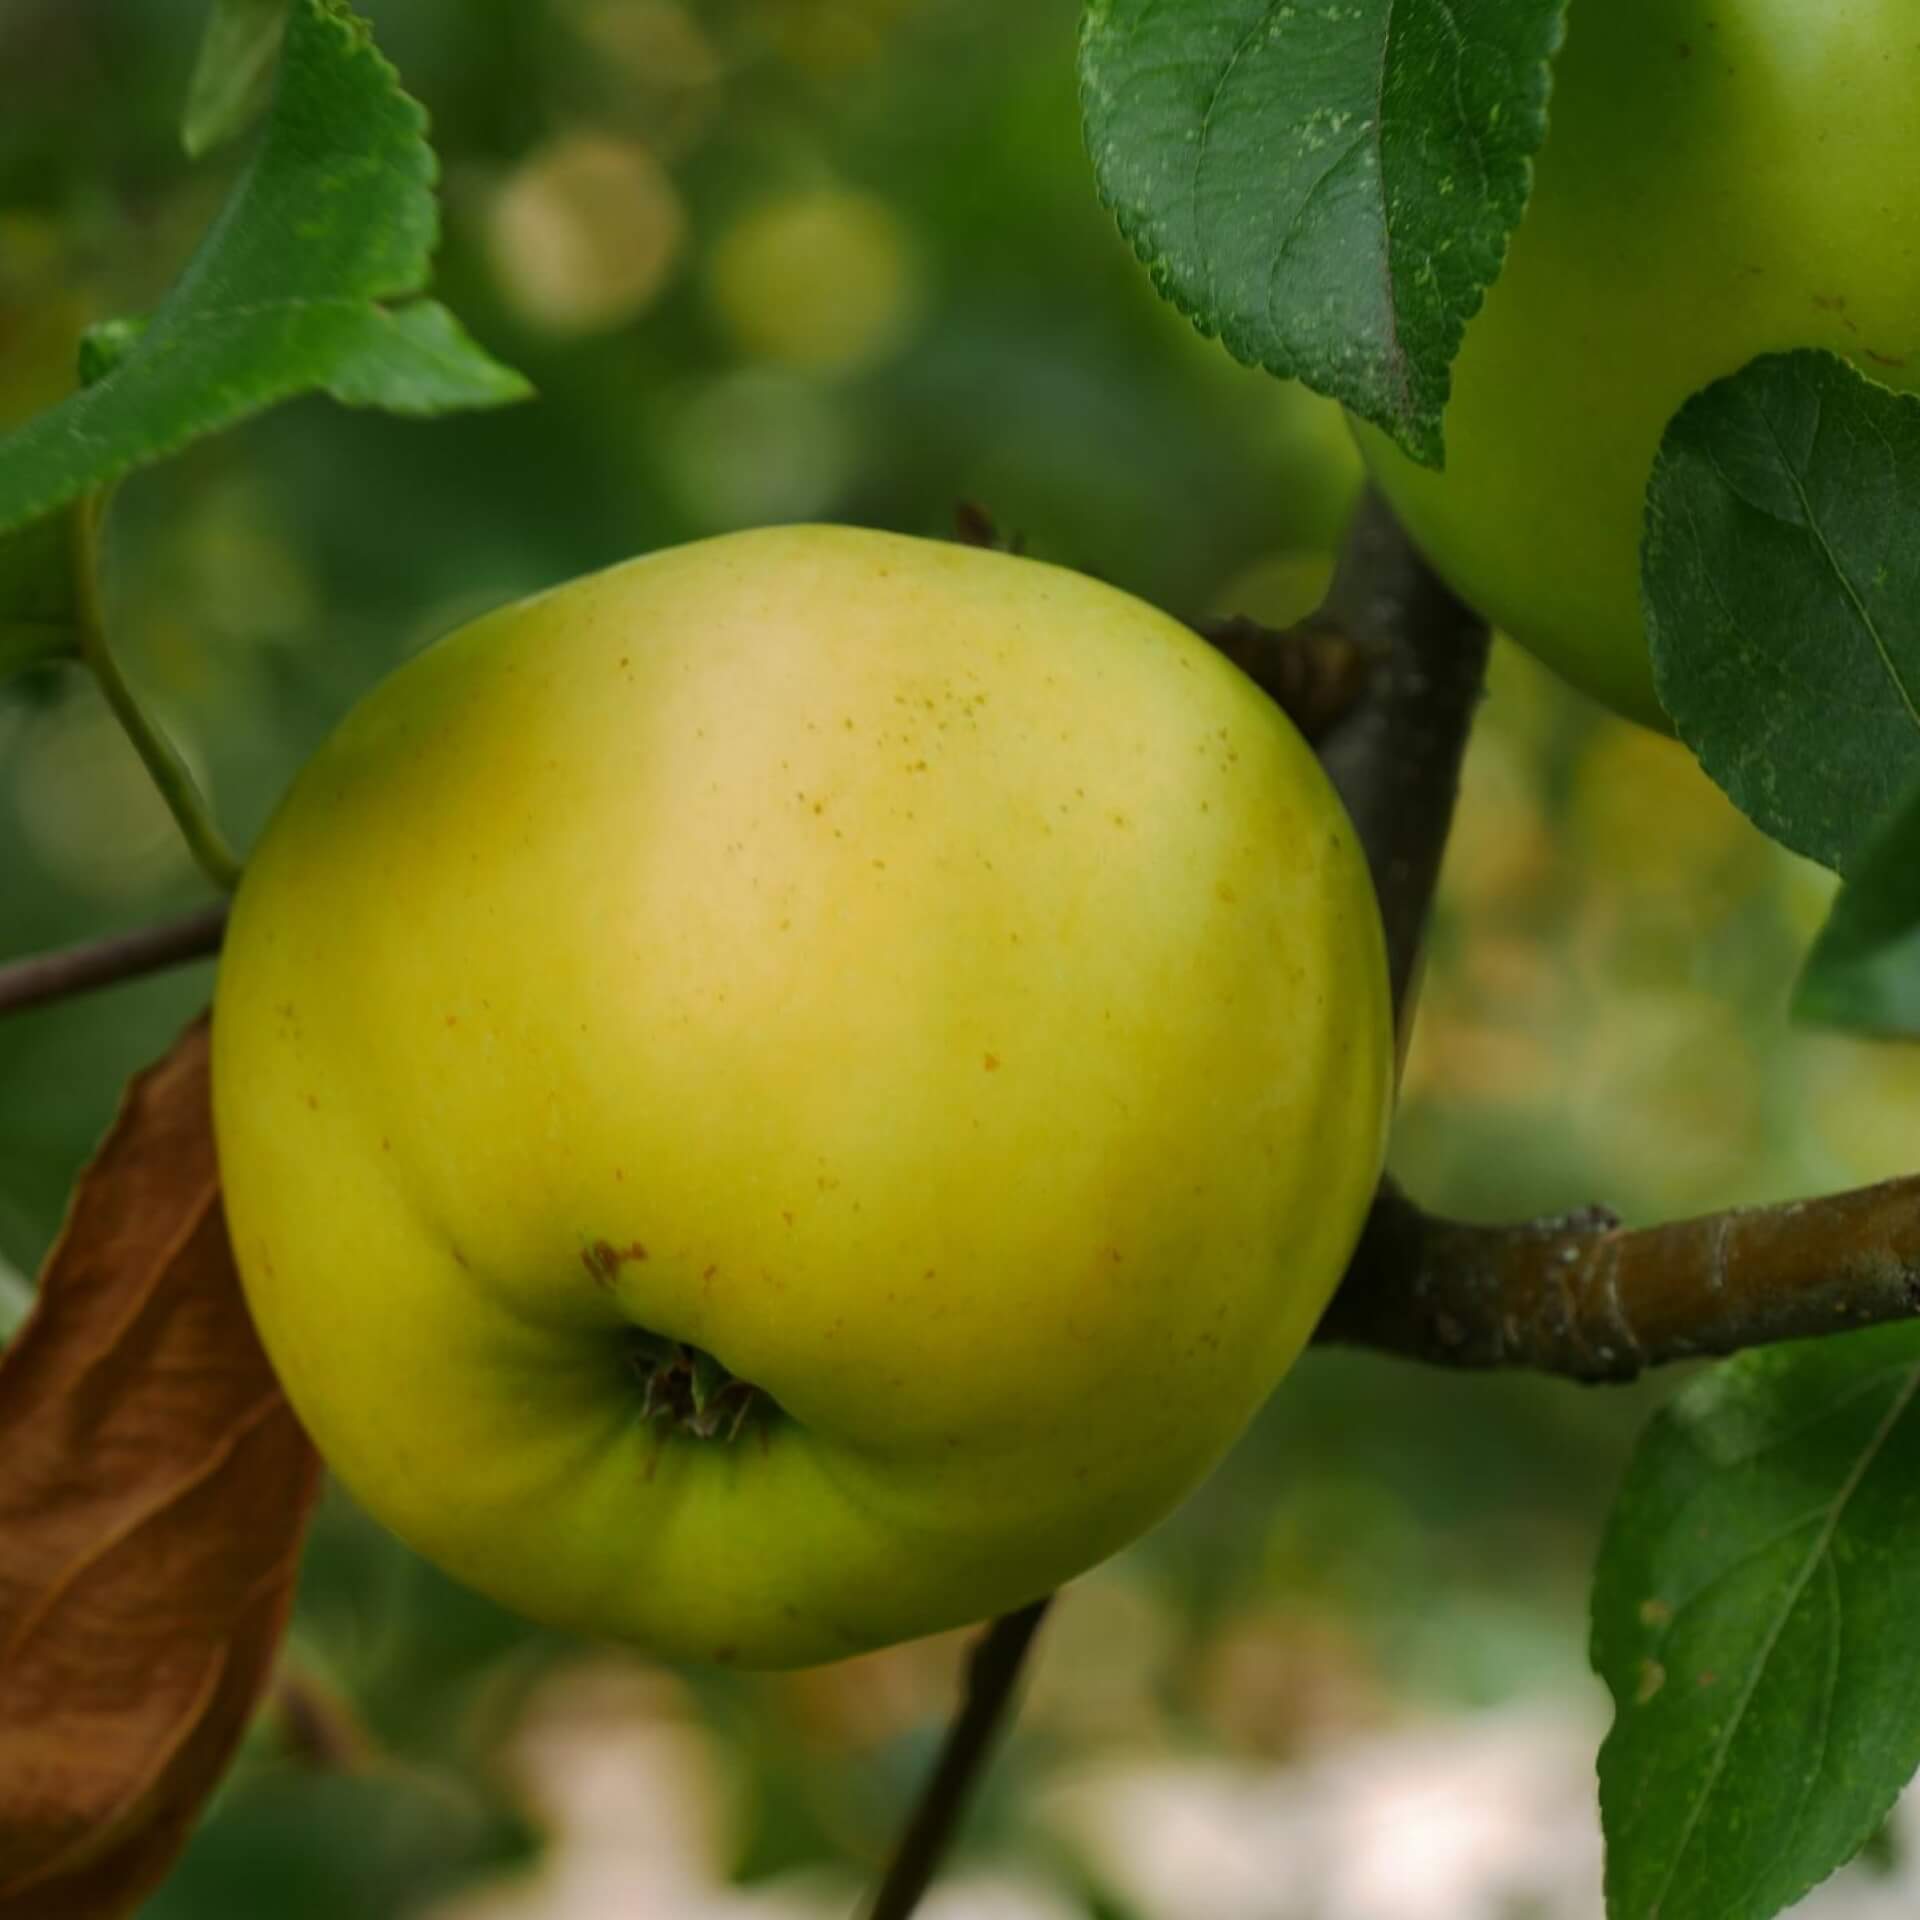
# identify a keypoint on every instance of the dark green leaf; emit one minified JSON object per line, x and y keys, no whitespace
{"x":1864,"y":971}
{"x":37,"y":614}
{"x":233,"y":77}
{"x":1329,"y":189}
{"x":1782,"y":589}
{"x":334,"y":217}
{"x":1753,"y":1616}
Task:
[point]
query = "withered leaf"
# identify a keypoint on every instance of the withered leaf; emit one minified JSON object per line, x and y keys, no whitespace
{"x":154,"y":1495}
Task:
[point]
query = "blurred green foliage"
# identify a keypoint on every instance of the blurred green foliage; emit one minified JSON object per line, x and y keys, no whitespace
{"x":775,"y":259}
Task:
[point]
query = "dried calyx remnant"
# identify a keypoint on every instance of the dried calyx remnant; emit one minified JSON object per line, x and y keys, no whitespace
{"x":681,"y":1385}
{"x":689,"y":1390}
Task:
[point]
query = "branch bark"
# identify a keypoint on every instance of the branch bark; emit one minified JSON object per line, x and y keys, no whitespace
{"x":1396,"y":756}
{"x":67,"y":971}
{"x":1587,"y":1299}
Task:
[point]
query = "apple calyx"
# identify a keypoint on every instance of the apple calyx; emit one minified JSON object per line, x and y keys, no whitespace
{"x":689,"y":1389}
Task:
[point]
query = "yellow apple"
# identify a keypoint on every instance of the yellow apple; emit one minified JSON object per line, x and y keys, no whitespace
{"x":799,"y":1091}
{"x":1721,"y":179}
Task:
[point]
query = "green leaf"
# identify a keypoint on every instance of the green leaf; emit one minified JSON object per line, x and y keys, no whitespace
{"x":334,"y":217}
{"x":1781,"y":582}
{"x":1328,"y":189}
{"x":1864,"y":971}
{"x":38,"y":618}
{"x":1752,"y":1616}
{"x":233,"y":76}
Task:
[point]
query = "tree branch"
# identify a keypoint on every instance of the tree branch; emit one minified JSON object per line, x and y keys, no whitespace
{"x":67,"y":971}
{"x":1583,"y":1297}
{"x":1396,"y":756}
{"x":993,"y":1670}
{"x":1577,"y":1296}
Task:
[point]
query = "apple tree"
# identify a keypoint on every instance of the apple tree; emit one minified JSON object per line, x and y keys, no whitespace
{"x":1622,"y":302}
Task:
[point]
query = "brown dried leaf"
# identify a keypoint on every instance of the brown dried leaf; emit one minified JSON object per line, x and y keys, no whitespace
{"x":154,"y":1495}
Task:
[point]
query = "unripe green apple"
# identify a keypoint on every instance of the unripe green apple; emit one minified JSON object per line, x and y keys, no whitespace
{"x":1721,"y":179}
{"x":800,"y":1091}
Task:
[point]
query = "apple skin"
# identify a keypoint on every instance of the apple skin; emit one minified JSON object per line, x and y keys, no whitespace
{"x":930,"y":982}
{"x":1721,"y":179}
